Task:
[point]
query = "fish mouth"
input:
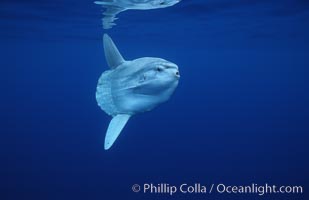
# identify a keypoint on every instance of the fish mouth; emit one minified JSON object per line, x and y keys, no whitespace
{"x":173,"y":67}
{"x":177,"y":74}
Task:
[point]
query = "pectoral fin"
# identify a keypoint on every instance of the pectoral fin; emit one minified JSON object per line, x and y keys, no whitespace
{"x":114,"y":129}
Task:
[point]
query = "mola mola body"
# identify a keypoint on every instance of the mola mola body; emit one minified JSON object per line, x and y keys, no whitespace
{"x":114,"y":7}
{"x":132,"y":87}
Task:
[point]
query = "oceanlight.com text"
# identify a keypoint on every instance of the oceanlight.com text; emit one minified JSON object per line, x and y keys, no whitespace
{"x":221,"y":188}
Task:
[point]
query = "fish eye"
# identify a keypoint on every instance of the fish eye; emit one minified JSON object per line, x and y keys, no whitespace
{"x":159,"y":69}
{"x":162,"y":2}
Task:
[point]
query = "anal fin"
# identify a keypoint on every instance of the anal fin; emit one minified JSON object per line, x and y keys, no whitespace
{"x":114,"y":129}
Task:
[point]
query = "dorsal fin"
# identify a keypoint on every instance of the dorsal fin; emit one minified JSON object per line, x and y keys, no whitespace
{"x":112,"y":55}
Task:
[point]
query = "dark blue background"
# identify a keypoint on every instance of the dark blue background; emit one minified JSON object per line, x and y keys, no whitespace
{"x":239,"y":116}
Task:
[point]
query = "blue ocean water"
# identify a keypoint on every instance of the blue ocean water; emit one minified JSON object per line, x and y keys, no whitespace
{"x":239,"y":115}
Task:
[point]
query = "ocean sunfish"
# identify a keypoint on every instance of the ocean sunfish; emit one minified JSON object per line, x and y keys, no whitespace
{"x":114,"y":7}
{"x":132,"y":87}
